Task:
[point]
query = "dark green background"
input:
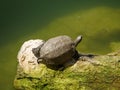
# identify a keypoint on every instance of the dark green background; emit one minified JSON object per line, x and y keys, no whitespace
{"x":21,"y":20}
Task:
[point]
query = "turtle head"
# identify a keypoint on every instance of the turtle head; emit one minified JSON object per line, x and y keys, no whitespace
{"x":36,"y":52}
{"x":78,"y":40}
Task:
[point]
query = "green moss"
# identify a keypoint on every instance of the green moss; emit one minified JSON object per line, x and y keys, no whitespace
{"x":81,"y":76}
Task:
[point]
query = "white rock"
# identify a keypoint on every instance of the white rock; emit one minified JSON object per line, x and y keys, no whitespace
{"x":25,"y":57}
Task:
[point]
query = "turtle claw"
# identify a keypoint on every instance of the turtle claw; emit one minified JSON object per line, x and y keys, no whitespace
{"x":39,"y":60}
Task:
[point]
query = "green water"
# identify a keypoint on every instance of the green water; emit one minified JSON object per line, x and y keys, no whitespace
{"x":20,"y":20}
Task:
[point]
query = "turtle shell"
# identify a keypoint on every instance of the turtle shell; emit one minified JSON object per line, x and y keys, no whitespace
{"x":57,"y":50}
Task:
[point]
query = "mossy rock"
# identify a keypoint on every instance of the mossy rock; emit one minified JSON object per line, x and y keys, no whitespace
{"x":100,"y":72}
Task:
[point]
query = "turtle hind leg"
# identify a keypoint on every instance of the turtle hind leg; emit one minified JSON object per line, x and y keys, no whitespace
{"x":76,"y":55}
{"x":78,"y":40}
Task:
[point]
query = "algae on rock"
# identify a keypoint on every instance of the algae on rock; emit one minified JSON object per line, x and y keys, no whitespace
{"x":100,"y":72}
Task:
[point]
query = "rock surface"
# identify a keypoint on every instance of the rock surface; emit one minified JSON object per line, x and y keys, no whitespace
{"x":100,"y":72}
{"x":25,"y":57}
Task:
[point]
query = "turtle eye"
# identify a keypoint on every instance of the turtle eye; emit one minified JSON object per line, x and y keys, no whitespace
{"x":36,"y":52}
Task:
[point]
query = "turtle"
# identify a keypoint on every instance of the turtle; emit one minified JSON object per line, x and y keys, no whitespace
{"x":57,"y":50}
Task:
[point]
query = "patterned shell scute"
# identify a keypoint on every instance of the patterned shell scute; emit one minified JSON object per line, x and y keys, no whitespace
{"x":56,"y":47}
